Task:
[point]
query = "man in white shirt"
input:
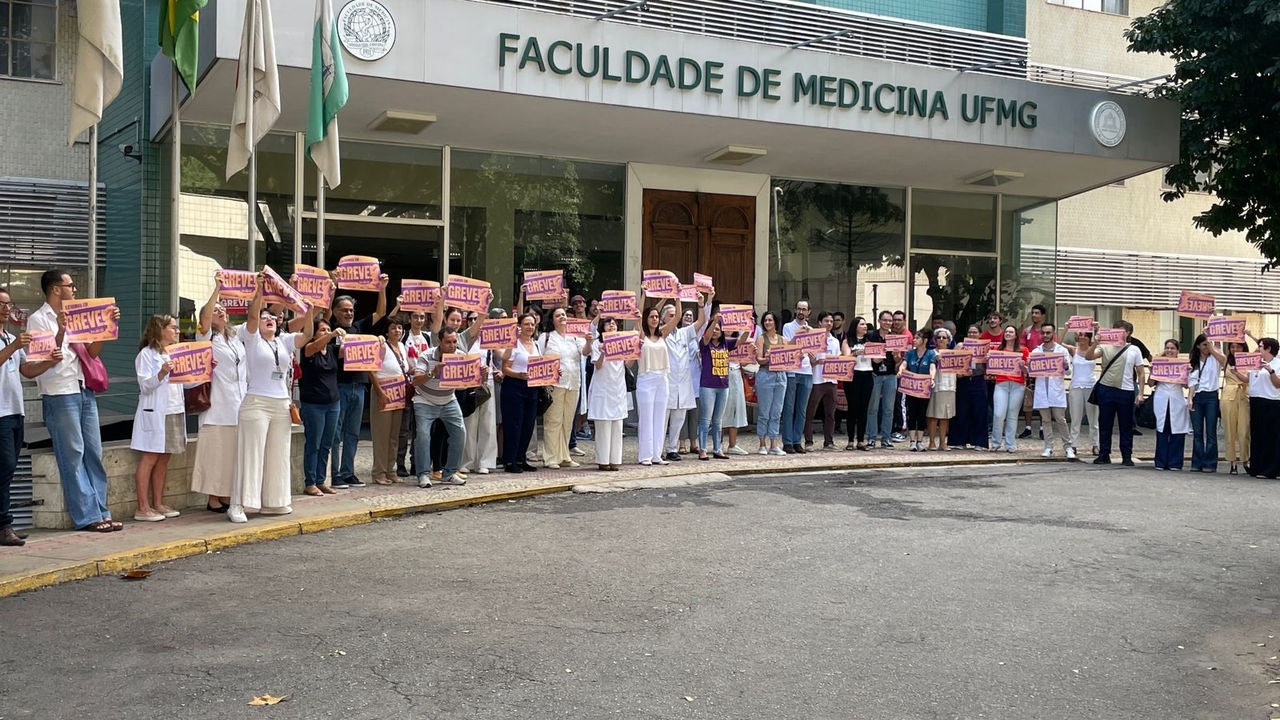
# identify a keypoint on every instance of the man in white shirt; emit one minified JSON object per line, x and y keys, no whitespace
{"x":1049,"y":395}
{"x":1118,"y":391}
{"x":12,"y":354}
{"x":799,"y":386}
{"x":415,"y":342}
{"x":71,"y":412}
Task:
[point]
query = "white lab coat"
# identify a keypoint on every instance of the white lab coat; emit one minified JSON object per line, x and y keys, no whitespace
{"x":156,"y":399}
{"x":1171,"y":400}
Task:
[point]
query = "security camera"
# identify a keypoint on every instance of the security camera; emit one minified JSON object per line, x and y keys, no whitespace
{"x":131,"y":150}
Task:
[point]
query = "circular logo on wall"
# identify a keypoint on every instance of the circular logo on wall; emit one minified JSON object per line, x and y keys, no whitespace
{"x":366,"y":29}
{"x":1108,"y":123}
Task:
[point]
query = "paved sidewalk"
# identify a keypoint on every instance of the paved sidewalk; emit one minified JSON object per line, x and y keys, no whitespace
{"x":51,"y":557}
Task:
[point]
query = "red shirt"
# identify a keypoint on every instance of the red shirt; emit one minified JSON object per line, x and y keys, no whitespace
{"x":1013,"y":378}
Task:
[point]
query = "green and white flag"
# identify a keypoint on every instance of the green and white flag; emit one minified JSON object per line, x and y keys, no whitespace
{"x":180,"y":36}
{"x":328,"y":95}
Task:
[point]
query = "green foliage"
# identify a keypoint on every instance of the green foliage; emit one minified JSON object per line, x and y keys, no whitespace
{"x":1227,"y":79}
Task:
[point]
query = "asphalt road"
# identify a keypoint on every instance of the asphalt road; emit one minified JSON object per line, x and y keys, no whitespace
{"x":1058,"y":591}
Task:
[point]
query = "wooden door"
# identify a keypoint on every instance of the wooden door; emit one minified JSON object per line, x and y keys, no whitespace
{"x":687,"y":232}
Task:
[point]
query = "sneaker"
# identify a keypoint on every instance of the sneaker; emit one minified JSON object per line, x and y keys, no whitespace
{"x":799,"y":450}
{"x":576,"y":452}
{"x":764,"y":450}
{"x":1026,"y":433}
{"x":483,"y":471}
{"x":460,"y":474}
{"x":402,"y":471}
{"x":735,"y":450}
{"x":436,"y":475}
{"x":235,"y":514}
{"x":1127,"y":462}
{"x":150,"y":516}
{"x":808,"y":446}
{"x":1071,"y":453}
{"x":886,"y":444}
{"x":424,"y":480}
{"x":777,"y":451}
{"x":1047,"y":452}
{"x":671,"y":456}
{"x":454,"y":479}
{"x":570,"y":463}
{"x":283,"y":510}
{"x":898,"y":437}
{"x":167,"y":511}
{"x":354,"y":481}
{"x":339,"y":484}
{"x":1102,"y":460}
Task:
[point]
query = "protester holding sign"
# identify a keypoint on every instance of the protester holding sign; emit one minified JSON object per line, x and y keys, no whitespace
{"x":159,"y":423}
{"x":432,"y":401}
{"x":351,"y":383}
{"x":1173,"y":414}
{"x":652,"y":386}
{"x":1118,"y":390}
{"x":319,"y":405}
{"x":519,"y":401}
{"x":884,"y":386}
{"x":799,"y":385}
{"x":262,"y":445}
{"x":1203,"y":384}
{"x":12,"y":416}
{"x":608,"y":401}
{"x":823,"y":393}
{"x":771,"y":388}
{"x":921,"y":361}
{"x":682,"y":377}
{"x":70,"y":408}
{"x":858,"y":392}
{"x":1235,"y":410}
{"x":713,"y":388}
{"x":942,"y":401}
{"x":1049,"y":394}
{"x":1264,"y":412}
{"x":211,"y":474}
{"x":969,"y":426}
{"x":1082,"y":381}
{"x":559,"y":418}
{"x":386,"y":413}
{"x":1010,"y":385}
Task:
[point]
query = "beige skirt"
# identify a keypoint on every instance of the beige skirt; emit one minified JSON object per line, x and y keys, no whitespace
{"x":175,"y":433}
{"x":215,"y":461}
{"x":942,"y":405}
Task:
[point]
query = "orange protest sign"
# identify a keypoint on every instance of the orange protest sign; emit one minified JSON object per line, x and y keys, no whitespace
{"x":313,"y":284}
{"x":190,"y":362}
{"x":361,"y":353}
{"x":90,"y":320}
{"x":419,"y":295}
{"x":498,"y":333}
{"x":358,"y":272}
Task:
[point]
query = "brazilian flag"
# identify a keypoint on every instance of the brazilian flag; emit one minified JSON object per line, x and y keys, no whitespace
{"x":180,"y":36}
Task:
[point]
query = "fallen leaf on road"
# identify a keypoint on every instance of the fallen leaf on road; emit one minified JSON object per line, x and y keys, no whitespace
{"x":136,"y":574}
{"x":268,"y":700}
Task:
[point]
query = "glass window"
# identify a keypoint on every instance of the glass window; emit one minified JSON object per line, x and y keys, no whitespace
{"x":512,"y":213}
{"x":959,"y":288}
{"x":1113,"y":7}
{"x":955,"y":222}
{"x":1028,"y":254}
{"x":28,"y":33}
{"x":214,"y":211}
{"x":378,"y":180}
{"x":841,"y":247}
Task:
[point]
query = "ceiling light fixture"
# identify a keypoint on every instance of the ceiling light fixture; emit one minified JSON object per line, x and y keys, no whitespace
{"x":402,"y":121}
{"x":994,"y":178}
{"x":736,"y":154}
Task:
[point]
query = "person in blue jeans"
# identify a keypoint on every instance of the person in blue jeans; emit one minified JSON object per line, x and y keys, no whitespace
{"x":713,"y":388}
{"x":884,"y":386}
{"x":799,"y":386}
{"x":1204,"y":382}
{"x":431,"y":403}
{"x":771,"y":387}
{"x":1118,"y":389}
{"x":319,"y":405}
{"x":12,"y":355}
{"x":352,"y":387}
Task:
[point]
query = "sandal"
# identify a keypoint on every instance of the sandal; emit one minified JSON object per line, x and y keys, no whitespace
{"x":311,"y":490}
{"x":116,"y":525}
{"x":102,"y":526}
{"x":382,"y":481}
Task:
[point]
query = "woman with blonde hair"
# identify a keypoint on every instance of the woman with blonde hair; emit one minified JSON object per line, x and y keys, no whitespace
{"x":212,"y":475}
{"x":160,"y":422}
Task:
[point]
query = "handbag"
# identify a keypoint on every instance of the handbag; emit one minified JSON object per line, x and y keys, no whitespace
{"x":196,"y":399}
{"x":95,"y":373}
{"x":467,"y":400}
{"x":1093,"y":394}
{"x":295,"y":417}
{"x":544,"y":400}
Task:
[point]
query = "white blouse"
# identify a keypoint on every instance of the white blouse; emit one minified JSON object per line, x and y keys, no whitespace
{"x":269,"y":363}
{"x":230,"y":379}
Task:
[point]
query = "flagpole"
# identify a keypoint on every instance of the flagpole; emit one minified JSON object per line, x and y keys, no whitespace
{"x":175,"y":199}
{"x":253,"y":146}
{"x":319,"y":218}
{"x":93,"y":211}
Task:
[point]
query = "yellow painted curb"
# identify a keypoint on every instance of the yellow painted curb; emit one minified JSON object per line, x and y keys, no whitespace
{"x":253,"y":535}
{"x":130,"y":559}
{"x":320,"y":523}
{"x":20,"y":584}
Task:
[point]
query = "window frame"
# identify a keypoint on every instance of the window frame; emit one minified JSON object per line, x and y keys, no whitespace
{"x":10,"y":41}
{"x":1121,"y":11}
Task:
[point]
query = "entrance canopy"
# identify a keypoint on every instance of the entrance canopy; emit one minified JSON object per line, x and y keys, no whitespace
{"x":499,"y":78}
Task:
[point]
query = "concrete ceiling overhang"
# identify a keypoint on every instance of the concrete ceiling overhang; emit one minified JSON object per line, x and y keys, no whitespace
{"x":490,"y":121}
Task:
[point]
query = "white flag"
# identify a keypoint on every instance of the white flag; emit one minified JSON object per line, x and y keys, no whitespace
{"x":257,"y":85}
{"x":99,"y":69}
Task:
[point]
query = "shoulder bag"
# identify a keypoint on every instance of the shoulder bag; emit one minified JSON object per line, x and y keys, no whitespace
{"x":1093,"y":394}
{"x":95,"y":373}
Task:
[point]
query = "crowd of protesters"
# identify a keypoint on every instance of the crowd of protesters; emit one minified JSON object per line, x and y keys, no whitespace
{"x":691,"y":392}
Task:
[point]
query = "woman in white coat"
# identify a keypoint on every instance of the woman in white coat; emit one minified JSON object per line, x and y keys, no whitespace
{"x":159,"y":424}
{"x":212,"y":474}
{"x":1173,"y":417}
{"x":608,"y":402}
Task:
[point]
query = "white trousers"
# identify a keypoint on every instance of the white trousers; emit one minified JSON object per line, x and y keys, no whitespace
{"x":651,"y":405}
{"x":608,"y":442}
{"x":481,"y":450}
{"x":675,"y":423}
{"x":262,"y":454}
{"x":1077,"y":406}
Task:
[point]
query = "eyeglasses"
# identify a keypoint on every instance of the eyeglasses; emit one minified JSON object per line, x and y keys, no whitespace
{"x":8,"y":305}
{"x":67,"y":285}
